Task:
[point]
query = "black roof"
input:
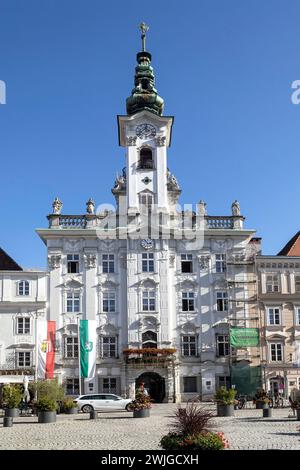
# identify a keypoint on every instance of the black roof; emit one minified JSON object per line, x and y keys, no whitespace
{"x":7,"y":263}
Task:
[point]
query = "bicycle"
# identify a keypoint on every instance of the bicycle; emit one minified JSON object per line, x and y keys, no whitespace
{"x":242,"y":400}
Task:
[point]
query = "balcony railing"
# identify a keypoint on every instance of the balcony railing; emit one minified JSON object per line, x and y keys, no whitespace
{"x":72,"y":221}
{"x":219,"y":222}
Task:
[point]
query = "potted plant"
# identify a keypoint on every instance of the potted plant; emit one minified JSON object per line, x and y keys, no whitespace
{"x":261,"y":400}
{"x":69,"y":406}
{"x":12,"y":397}
{"x":46,"y":408}
{"x":141,"y":405}
{"x":225,"y":400}
{"x":191,"y":431}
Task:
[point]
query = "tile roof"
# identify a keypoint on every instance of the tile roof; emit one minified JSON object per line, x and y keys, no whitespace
{"x":292,"y":248}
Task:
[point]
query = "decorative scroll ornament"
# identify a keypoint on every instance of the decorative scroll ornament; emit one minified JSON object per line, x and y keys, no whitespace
{"x":131,"y":141}
{"x":54,"y":261}
{"x":90,"y":260}
{"x":160,"y":141}
{"x":203,"y":261}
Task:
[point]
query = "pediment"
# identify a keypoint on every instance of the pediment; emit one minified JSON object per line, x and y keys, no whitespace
{"x":149,"y":322}
{"x":187,"y":283}
{"x":108,"y":284}
{"x":147,"y":282}
{"x":72,"y":283}
{"x":107,"y":329}
{"x":188,"y":327}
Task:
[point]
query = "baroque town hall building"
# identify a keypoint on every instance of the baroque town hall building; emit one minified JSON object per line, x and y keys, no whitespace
{"x":163,"y":285}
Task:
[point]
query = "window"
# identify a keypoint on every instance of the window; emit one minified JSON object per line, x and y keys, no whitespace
{"x":109,"y":385}
{"x":71,"y":347}
{"x":146,"y":200}
{"x":146,"y":161}
{"x":272,"y":283}
{"x":220,"y":263}
{"x":276,"y":352}
{"x":274,"y":316}
{"x":108,"y":263}
{"x":190,"y":384}
{"x":23,"y":326}
{"x":189,"y":345}
{"x":222,"y":345}
{"x":149,"y":339}
{"x":298,"y":316}
{"x":186,"y":263}
{"x":23,"y":288}
{"x":148,"y":262}
{"x":109,"y":302}
{"x":297,"y":284}
{"x":73,"y":302}
{"x":188,"y":301}
{"x":224,"y":381}
{"x":72,"y":387}
{"x":108,"y":346}
{"x":149,"y":300}
{"x":73,"y":263}
{"x":24,"y":359}
{"x":222,"y":301}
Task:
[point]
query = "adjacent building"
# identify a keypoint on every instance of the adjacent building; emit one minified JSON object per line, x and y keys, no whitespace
{"x":279,"y":306}
{"x":23,"y":299}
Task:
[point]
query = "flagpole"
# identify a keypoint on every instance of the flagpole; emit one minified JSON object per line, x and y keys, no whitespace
{"x":36,"y":355}
{"x":79,"y":370}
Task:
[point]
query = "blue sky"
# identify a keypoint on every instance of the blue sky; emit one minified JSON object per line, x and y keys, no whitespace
{"x":224,"y":68}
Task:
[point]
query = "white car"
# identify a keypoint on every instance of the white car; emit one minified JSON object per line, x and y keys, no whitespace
{"x":101,"y":401}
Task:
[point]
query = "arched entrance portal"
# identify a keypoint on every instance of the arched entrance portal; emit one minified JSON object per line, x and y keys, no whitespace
{"x":155,"y":385}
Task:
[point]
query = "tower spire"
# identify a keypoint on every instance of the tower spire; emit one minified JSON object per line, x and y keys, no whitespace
{"x":144,"y":95}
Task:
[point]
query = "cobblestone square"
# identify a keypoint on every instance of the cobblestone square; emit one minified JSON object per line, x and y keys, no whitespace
{"x":113,"y":431}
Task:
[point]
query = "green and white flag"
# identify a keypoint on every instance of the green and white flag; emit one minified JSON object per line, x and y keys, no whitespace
{"x":88,"y":338}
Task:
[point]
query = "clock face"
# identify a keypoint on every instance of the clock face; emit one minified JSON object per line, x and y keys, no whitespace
{"x":145,"y":130}
{"x":147,"y":244}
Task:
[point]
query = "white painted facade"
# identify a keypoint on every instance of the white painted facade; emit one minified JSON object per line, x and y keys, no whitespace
{"x":23,"y":299}
{"x":137,"y":284}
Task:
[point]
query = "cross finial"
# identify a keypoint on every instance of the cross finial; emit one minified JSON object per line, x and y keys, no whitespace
{"x":144,"y":28}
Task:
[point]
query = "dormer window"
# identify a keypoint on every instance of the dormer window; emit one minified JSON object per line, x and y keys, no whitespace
{"x":146,"y":159}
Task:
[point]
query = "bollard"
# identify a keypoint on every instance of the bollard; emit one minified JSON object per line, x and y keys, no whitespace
{"x":93,"y":414}
{"x":267,"y":413}
{"x":7,"y":422}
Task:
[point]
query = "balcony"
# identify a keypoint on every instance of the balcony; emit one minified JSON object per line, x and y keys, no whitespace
{"x":221,"y":222}
{"x":72,"y":221}
{"x":149,"y":356}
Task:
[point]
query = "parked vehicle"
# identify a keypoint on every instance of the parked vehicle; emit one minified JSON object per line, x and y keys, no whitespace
{"x":101,"y":401}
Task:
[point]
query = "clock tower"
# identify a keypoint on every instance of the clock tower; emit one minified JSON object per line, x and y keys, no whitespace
{"x":146,"y":135}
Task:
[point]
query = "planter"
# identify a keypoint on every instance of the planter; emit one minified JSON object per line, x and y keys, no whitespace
{"x":267,"y":413}
{"x":47,"y":416}
{"x":12,"y":412}
{"x":259,"y":405}
{"x":71,"y":411}
{"x":298,"y":414}
{"x":7,"y":422}
{"x":145,"y":413}
{"x":225,"y":410}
